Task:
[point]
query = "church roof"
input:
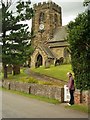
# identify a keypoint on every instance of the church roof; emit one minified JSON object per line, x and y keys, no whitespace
{"x":59,"y":34}
{"x":58,"y":44}
{"x":47,"y":51}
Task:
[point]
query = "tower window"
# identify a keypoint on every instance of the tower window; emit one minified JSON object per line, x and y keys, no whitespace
{"x":41,"y":17}
{"x":56,"y":20}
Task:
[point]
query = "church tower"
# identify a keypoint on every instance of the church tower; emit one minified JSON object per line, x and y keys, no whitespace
{"x":47,"y":18}
{"x":49,"y":35}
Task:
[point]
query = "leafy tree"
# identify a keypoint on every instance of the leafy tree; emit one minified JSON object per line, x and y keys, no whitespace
{"x":16,"y":45}
{"x":79,"y":40}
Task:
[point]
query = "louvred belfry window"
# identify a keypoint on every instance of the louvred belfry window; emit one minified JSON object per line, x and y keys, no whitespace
{"x":56,"y":20}
{"x":41,"y":17}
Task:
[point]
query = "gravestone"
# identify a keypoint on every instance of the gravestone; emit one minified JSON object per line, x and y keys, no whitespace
{"x":47,"y":63}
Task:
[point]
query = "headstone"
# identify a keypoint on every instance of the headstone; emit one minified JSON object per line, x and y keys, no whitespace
{"x":47,"y":63}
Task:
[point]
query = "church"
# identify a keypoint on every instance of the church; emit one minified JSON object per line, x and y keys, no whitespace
{"x":49,"y":41}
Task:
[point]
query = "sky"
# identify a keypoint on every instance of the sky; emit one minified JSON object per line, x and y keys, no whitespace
{"x":70,"y":8}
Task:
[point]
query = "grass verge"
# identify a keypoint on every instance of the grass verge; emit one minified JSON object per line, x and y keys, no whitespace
{"x":82,"y":108}
{"x":41,"y":98}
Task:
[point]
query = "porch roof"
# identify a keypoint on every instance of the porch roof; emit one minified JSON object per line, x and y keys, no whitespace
{"x":48,"y":51}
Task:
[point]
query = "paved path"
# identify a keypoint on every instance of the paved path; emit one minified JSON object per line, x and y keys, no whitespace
{"x":17,"y":106}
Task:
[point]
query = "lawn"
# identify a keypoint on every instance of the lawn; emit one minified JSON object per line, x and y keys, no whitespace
{"x":56,"y":72}
{"x":24,"y":77}
{"x":18,"y":77}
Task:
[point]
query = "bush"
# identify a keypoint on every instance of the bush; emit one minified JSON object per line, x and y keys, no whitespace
{"x":32,"y":80}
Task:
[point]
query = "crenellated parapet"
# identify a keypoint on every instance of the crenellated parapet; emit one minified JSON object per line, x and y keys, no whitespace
{"x":45,"y":5}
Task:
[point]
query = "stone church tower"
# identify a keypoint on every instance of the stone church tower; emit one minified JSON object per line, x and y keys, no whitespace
{"x":46,"y":19}
{"x":46,"y":22}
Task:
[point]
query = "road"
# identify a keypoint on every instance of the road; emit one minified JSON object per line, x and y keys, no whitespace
{"x":17,"y":106}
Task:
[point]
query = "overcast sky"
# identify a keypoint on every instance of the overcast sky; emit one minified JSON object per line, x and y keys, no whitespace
{"x":70,"y":8}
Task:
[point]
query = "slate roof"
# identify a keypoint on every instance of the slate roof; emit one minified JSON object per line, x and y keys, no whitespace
{"x":58,"y":44}
{"x":59,"y":39}
{"x":59,"y":34}
{"x":47,"y":51}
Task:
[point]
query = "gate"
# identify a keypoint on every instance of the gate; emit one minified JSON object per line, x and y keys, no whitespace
{"x":66,"y":94}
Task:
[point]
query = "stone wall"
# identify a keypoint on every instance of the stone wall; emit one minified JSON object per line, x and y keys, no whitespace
{"x":49,"y":91}
{"x":82,"y":97}
{"x":36,"y":89}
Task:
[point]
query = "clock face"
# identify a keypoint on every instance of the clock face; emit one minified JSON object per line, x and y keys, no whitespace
{"x":41,"y":27}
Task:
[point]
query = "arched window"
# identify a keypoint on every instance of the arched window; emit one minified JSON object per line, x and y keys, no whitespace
{"x":41,"y":17}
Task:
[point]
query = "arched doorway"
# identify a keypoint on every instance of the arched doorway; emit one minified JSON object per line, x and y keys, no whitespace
{"x":39,"y":61}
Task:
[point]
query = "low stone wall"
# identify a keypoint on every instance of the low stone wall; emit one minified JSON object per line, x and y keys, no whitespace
{"x":36,"y":89}
{"x":49,"y":91}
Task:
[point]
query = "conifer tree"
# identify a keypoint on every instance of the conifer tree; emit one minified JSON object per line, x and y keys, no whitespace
{"x":16,"y":44}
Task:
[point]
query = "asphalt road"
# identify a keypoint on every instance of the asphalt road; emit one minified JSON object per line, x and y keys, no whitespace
{"x":17,"y":106}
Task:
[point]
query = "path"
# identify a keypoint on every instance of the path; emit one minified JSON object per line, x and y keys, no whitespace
{"x":17,"y":106}
{"x":39,"y":76}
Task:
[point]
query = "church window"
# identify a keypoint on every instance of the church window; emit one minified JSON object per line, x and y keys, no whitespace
{"x":56,"y":20}
{"x":41,"y":17}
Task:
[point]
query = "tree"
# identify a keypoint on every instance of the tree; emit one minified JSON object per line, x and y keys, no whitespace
{"x":79,"y":40}
{"x":86,"y":2}
{"x":16,"y":45}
